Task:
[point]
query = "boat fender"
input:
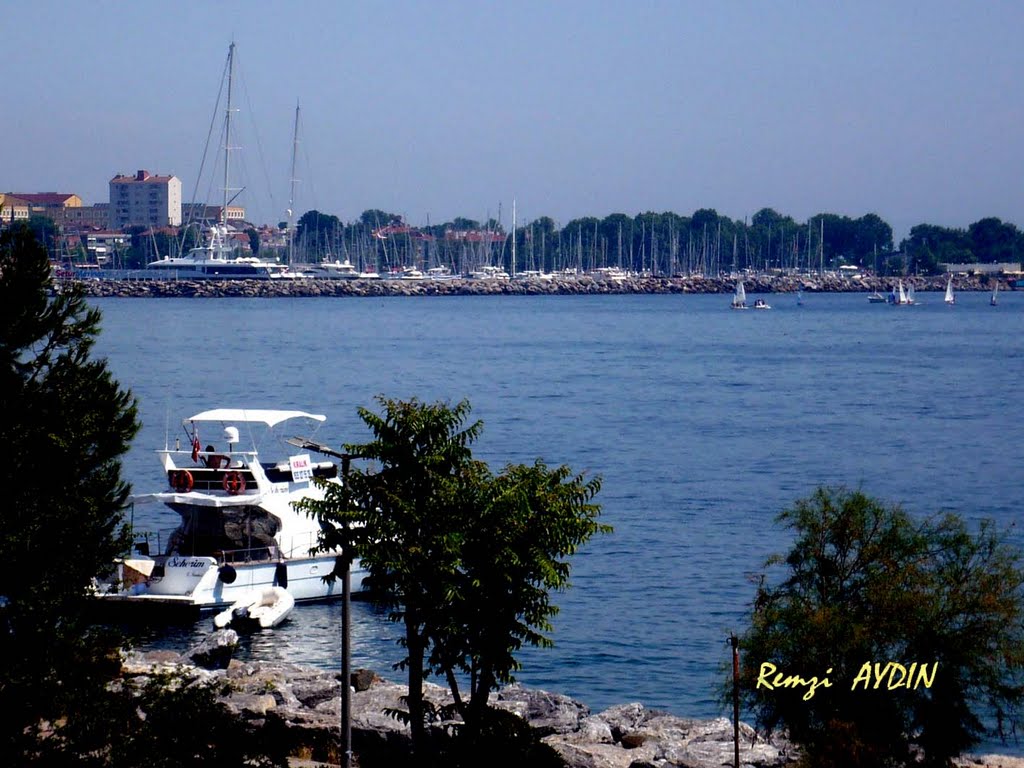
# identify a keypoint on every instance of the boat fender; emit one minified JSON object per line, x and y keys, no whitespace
{"x":234,"y":483}
{"x":227,"y":574}
{"x":181,"y":480}
{"x":281,"y":575}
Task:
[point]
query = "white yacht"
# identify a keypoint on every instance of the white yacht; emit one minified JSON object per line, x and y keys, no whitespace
{"x":237,"y":528}
{"x":338,"y":269}
{"x":489,"y":272}
{"x":217,"y":259}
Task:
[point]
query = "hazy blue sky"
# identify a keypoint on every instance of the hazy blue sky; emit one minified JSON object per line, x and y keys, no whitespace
{"x":912,"y":110}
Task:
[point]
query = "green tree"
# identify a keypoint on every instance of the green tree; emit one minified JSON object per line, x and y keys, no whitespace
{"x":67,"y":424}
{"x":864,"y":583}
{"x":464,"y":559}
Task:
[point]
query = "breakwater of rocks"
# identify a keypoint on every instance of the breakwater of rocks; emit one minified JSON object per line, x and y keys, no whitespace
{"x":305,"y":705}
{"x":568,"y":286}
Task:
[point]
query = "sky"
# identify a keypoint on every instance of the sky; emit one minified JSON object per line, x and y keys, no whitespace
{"x":433,"y":110}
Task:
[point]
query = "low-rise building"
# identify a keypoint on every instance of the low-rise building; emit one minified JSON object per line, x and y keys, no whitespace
{"x":13,"y":208}
{"x":201,"y":212}
{"x":103,"y":244}
{"x":982,"y":269}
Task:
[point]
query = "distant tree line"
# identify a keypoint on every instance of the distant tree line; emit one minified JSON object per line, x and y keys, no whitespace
{"x":662,"y":244}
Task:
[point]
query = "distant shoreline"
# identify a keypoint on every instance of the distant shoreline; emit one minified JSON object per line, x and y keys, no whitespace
{"x":558,"y":286}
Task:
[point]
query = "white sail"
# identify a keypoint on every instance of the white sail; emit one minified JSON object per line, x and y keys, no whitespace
{"x":950,"y":298}
{"x":739,"y":300}
{"x":995,"y":291}
{"x":902,"y":295}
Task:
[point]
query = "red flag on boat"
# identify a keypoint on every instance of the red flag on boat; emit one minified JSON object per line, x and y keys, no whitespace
{"x":195,"y":445}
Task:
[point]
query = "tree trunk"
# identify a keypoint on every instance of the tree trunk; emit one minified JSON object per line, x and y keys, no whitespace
{"x":415,"y":648}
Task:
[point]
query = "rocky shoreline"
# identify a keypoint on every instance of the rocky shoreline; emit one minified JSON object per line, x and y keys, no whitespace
{"x":307,"y":703}
{"x":565,"y":286}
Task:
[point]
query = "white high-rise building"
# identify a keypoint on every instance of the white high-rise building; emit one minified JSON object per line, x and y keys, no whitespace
{"x":146,"y":200}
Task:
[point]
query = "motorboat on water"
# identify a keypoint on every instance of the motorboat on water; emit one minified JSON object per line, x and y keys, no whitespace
{"x":238,"y":530}
{"x":259,"y":609}
{"x":877,"y":298}
{"x":761,"y":304}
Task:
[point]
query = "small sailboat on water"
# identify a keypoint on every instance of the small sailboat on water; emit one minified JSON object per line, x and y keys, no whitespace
{"x":950,"y":298}
{"x":995,"y":292}
{"x":739,"y":299}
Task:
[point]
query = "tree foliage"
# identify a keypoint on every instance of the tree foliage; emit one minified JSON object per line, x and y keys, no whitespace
{"x":466,"y":559}
{"x":864,"y":583}
{"x":66,"y":424}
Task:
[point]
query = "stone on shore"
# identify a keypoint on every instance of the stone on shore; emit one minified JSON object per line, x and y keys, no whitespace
{"x":307,"y":703}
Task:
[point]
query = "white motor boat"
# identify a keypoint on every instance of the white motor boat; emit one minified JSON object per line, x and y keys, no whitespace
{"x":216,"y":259}
{"x":261,"y":608}
{"x":238,"y":529}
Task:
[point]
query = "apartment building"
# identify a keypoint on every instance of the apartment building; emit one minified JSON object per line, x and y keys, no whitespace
{"x":144,"y":199}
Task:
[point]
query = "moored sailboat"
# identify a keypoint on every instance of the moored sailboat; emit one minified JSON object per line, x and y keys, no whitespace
{"x":217,"y":257}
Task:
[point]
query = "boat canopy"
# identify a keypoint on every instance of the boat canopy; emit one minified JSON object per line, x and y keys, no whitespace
{"x":253,"y":416}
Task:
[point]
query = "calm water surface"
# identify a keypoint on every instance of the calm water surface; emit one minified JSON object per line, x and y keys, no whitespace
{"x":703,"y":423}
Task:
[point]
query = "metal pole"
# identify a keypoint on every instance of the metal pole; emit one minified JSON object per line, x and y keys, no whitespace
{"x":346,"y":641}
{"x":734,"y":642}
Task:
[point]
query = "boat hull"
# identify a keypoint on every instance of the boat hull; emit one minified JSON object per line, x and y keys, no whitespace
{"x":190,"y":586}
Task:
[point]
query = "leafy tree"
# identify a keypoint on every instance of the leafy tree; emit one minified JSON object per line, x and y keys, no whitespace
{"x":67,"y":423}
{"x":465,"y":559}
{"x":992,"y":240}
{"x":317,"y":232}
{"x":373,"y":218}
{"x":865,"y":583}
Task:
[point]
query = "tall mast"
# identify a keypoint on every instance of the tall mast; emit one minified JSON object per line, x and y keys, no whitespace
{"x":821,"y":246}
{"x":291,"y":198}
{"x":227,"y":135}
{"x":513,"y":237}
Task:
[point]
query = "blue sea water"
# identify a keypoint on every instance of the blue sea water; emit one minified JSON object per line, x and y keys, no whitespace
{"x":703,"y":424}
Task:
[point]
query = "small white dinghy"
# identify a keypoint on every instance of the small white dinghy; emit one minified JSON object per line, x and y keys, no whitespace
{"x":262,"y":608}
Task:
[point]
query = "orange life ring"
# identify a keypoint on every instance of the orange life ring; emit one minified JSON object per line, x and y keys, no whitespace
{"x":234,"y":483}
{"x":181,"y":480}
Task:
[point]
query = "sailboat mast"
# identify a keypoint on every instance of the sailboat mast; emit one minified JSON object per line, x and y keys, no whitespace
{"x":513,"y":237}
{"x":291,"y":198}
{"x":227,"y":134}
{"x":821,"y":246}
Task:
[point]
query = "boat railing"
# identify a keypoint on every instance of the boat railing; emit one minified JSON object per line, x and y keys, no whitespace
{"x":297,"y":546}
